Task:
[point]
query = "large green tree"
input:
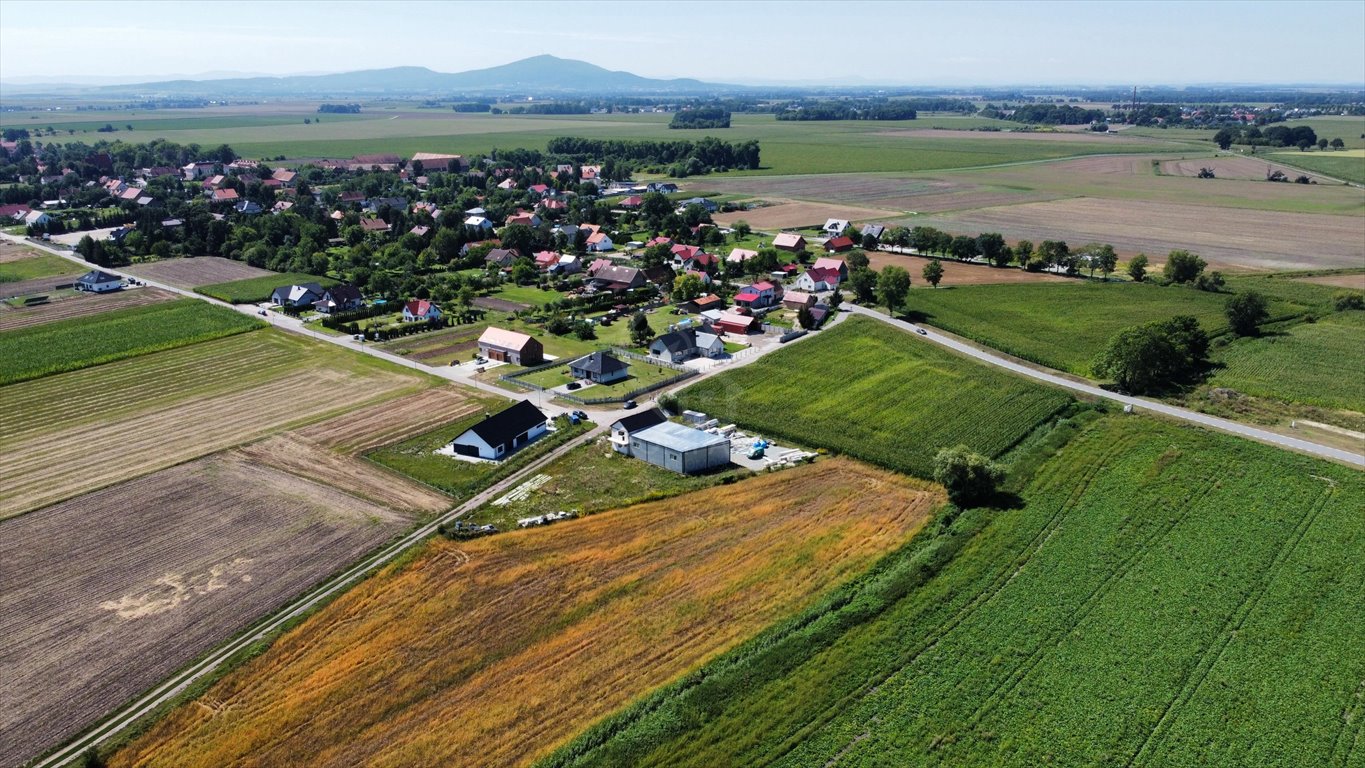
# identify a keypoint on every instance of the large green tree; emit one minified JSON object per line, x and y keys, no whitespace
{"x":1182,"y":267}
{"x":932,"y":272}
{"x":893,"y":285}
{"x":1154,"y":355}
{"x":1246,"y":312}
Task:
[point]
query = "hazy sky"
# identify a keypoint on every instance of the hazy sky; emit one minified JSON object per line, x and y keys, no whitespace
{"x":921,"y":43}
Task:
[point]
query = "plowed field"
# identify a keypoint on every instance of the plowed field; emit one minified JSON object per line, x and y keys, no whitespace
{"x":71,"y":433}
{"x":80,"y":305}
{"x":367,"y":428}
{"x":106,"y":594}
{"x":494,"y":651}
{"x":192,"y":273}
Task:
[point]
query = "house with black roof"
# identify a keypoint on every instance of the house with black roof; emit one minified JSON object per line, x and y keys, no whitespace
{"x":300,"y":295}
{"x":99,"y":281}
{"x":599,"y":368}
{"x":503,"y":433}
{"x":622,"y":429}
{"x":340,"y":298}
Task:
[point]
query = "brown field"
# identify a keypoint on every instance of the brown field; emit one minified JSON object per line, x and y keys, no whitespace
{"x":72,"y":433}
{"x":790,"y":214}
{"x":1227,"y":238}
{"x":493,"y":652}
{"x":499,"y":305}
{"x":958,"y":273}
{"x":12,"y":251}
{"x":79,"y":305}
{"x":35,"y":286}
{"x":192,"y":273}
{"x":365,"y":429}
{"x":107,"y":594}
{"x":1355,"y":281}
{"x":1233,"y":168}
{"x":447,"y":344}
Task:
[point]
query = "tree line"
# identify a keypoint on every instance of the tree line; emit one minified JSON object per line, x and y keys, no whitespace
{"x":848,"y":110}
{"x":701,"y":117}
{"x":682,"y":158}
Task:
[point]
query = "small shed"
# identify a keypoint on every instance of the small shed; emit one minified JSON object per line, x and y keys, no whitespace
{"x":679,"y":448}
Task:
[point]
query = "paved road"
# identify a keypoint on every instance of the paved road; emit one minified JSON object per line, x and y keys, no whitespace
{"x":1138,"y":403}
{"x":127,"y":715}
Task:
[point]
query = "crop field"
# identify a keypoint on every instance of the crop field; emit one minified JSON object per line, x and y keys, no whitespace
{"x":1241,"y":167}
{"x":200,"y":271}
{"x":959,"y":272}
{"x":75,"y":432}
{"x":494,"y":651}
{"x":1162,"y":596}
{"x":35,"y":266}
{"x":364,"y":429}
{"x":1226,"y":237}
{"x":789,"y":214}
{"x":1320,"y":363}
{"x":879,"y":394}
{"x":253,"y":290}
{"x":1065,"y":326}
{"x":79,"y":305}
{"x":81,"y":342}
{"x":108,"y":593}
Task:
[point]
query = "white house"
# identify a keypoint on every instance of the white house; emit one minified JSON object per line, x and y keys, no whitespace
{"x":420,"y":309}
{"x":296,"y":295}
{"x":835,"y":226}
{"x":36,"y":219}
{"x":684,"y":344}
{"x":478,"y":222}
{"x":98,"y":281}
{"x":599,"y":242}
{"x":502,"y":433}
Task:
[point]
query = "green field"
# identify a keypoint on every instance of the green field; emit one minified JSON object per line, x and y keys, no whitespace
{"x":876,"y":393}
{"x":1162,"y":596}
{"x":257,"y":289}
{"x":1320,"y":363}
{"x":36,"y":266}
{"x":1064,"y":326}
{"x":68,"y":345}
{"x":1342,"y":165}
{"x":415,"y":457}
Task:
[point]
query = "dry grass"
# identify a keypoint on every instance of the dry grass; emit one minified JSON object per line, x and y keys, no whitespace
{"x":12,"y":251}
{"x":493,"y":652}
{"x":788,"y":214}
{"x":71,"y":433}
{"x":1354,"y":281}
{"x":367,"y":428}
{"x":79,"y":305}
{"x":958,"y":273}
{"x":201,"y":270}
{"x":107,"y":594}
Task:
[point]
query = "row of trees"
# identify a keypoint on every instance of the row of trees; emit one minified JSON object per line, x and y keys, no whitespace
{"x":1301,"y":136}
{"x":849,"y":110}
{"x":710,"y":153}
{"x":701,"y":117}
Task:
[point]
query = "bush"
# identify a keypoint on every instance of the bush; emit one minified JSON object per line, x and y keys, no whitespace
{"x":968,"y":476}
{"x":1346,"y":300}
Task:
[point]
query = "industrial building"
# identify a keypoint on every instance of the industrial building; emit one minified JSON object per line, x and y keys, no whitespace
{"x":679,"y":448}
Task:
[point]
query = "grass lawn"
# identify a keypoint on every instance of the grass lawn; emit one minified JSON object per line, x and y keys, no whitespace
{"x":36,"y":266}
{"x":526,"y":294}
{"x":1065,"y":325}
{"x":594,"y":478}
{"x":618,"y":333}
{"x":257,"y":289}
{"x":1321,"y":364}
{"x":1153,"y":580}
{"x":879,"y":394}
{"x":415,"y":457}
{"x":641,"y":375}
{"x":68,"y":345}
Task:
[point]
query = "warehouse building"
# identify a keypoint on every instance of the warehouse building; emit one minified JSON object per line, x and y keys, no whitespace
{"x":681,"y":449}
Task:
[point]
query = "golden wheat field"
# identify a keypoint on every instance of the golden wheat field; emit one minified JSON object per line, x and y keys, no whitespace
{"x":493,"y":652}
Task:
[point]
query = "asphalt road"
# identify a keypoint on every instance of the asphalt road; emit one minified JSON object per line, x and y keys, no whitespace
{"x":1139,"y":404}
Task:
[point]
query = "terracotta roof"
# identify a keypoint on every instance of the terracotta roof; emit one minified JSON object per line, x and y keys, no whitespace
{"x":506,"y":339}
{"x":825,"y":262}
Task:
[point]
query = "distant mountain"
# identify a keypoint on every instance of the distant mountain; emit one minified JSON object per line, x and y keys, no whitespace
{"x":536,"y":76}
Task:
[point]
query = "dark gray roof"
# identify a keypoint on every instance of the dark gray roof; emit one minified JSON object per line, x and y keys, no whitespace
{"x":641,"y":420}
{"x":599,"y":362}
{"x":501,"y":427}
{"x":98,"y":276}
{"x":678,"y":341}
{"x":876,"y":230}
{"x":343,"y":293}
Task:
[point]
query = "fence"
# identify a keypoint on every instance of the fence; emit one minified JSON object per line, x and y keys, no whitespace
{"x":684,"y":373}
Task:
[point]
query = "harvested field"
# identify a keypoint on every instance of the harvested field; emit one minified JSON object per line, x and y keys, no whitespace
{"x":364,"y":429}
{"x":37,"y":285}
{"x":192,"y":273}
{"x":12,"y":251}
{"x":79,"y":305}
{"x":1072,"y":137}
{"x":298,"y":456}
{"x":493,"y":652}
{"x":72,"y":433}
{"x":438,"y":347}
{"x":1354,"y":281}
{"x":1233,"y":168}
{"x":1226,"y":237}
{"x":108,"y":593}
{"x":791,"y":214}
{"x":499,"y":305}
{"x":959,"y":273}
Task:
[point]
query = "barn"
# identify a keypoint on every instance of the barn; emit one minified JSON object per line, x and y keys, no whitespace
{"x":502,"y":433}
{"x":681,"y":449}
{"x":511,"y":347}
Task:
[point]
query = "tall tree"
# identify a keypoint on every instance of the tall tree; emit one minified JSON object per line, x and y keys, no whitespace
{"x":640,"y":332}
{"x":893,"y":285}
{"x":932,"y":272}
{"x":1182,"y":267}
{"x":1137,"y":267}
{"x":1246,"y":312}
{"x":991,"y":245}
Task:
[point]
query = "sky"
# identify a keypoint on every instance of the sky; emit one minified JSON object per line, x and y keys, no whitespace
{"x":896,"y":43}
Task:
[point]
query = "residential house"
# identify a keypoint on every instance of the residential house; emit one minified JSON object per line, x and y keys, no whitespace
{"x":731,"y":322}
{"x":420,"y":310}
{"x":617,"y":278}
{"x":598,"y":264}
{"x":420,"y":231}
{"x":545,"y":260}
{"x":663,"y":187}
{"x":623,"y":428}
{"x":98,"y":281}
{"x":819,"y":313}
{"x":376,"y":204}
{"x":37,"y":219}
{"x":351,"y":196}
{"x":540,"y":190}
{"x":374,"y":225}
{"x":838,"y":265}
{"x":835,"y":227}
{"x":660,"y":240}
{"x":631,"y":203}
{"x":599,"y":368}
{"x":740,"y":255}
{"x":789,"y":241}
{"x":14,"y":211}
{"x":285,"y":176}
{"x":709,"y":205}
{"x":569,"y":264}
{"x":196,"y":171}
{"x":684,"y":344}
{"x":511,"y":347}
{"x":227,"y":195}
{"x":479,"y":223}
{"x":507,"y":184}
{"x":503,"y":258}
{"x":302,"y":295}
{"x":599,"y":242}
{"x":798,"y":299}
{"x":760,"y":295}
{"x":523,"y":218}
{"x":875,"y":230}
{"x":248,"y":207}
{"x":820,"y":277}
{"x":839,"y":244}
{"x":502,"y":433}
{"x":339,"y":298}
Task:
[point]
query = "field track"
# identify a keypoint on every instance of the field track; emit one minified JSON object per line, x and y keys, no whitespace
{"x":108,"y":593}
{"x":80,"y":305}
{"x":492,"y":652}
{"x":71,"y":433}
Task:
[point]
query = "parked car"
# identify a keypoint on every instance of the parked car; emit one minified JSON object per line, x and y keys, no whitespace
{"x":629,"y":404}
{"x":921,"y":332}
